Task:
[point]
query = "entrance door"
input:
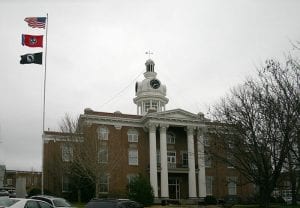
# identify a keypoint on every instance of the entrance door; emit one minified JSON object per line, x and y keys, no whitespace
{"x":174,"y":188}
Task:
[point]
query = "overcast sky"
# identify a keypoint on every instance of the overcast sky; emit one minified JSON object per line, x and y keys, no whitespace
{"x":96,"y":53}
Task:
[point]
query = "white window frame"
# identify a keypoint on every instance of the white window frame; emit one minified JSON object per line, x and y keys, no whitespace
{"x":184,"y":159}
{"x":232,"y":180}
{"x":9,"y":181}
{"x":209,"y":185}
{"x":154,"y":104}
{"x":170,"y":138}
{"x":103,"y":154}
{"x":171,"y":158}
{"x":104,"y":183}
{"x":103,"y":133}
{"x":133,"y":157}
{"x":230,"y":158}
{"x":133,"y":136}
{"x":65,"y":183}
{"x":131,"y":177}
{"x":147,"y":105}
{"x":66,"y":152}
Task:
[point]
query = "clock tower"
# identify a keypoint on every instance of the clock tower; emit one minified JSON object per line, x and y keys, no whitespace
{"x":150,"y":93}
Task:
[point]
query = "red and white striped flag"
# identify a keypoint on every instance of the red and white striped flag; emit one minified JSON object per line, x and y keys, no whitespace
{"x":36,"y":22}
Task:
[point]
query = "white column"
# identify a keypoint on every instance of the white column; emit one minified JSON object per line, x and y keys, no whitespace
{"x":164,"y":185}
{"x":191,"y":159}
{"x":153,"y":160}
{"x":201,"y":163}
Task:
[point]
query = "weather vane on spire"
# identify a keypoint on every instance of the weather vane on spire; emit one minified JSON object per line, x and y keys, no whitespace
{"x":149,"y":53}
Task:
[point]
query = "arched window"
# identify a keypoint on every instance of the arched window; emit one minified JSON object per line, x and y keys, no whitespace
{"x":103,"y":133}
{"x":170,"y":138}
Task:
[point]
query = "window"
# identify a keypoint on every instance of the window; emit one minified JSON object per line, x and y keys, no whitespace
{"x":103,"y":133}
{"x":103,"y":154}
{"x":207,"y":159}
{"x":133,"y":158}
{"x":154,"y":105}
{"x":67,"y":152}
{"x":206,"y":141}
{"x":133,"y":135}
{"x":9,"y":182}
{"x":208,"y":180}
{"x":104,"y":184}
{"x":232,"y":185}
{"x":171,"y":156}
{"x":184,"y":159}
{"x":131,"y":177}
{"x":230,"y":160}
{"x":65,"y":183}
{"x":170,"y":138}
{"x":147,"y":106}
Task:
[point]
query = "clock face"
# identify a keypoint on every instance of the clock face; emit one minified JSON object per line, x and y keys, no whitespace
{"x":154,"y":83}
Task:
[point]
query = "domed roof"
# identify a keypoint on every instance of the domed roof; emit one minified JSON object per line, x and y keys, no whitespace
{"x":144,"y":88}
{"x":150,"y":92}
{"x":149,"y":61}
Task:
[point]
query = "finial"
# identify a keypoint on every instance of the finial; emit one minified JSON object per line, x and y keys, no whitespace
{"x":149,"y":53}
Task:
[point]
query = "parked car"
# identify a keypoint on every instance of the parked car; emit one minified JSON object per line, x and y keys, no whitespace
{"x":5,"y":201}
{"x":288,"y":200}
{"x":28,"y":203}
{"x":113,"y":203}
{"x":8,"y":192}
{"x":3,"y":192}
{"x":54,"y":201}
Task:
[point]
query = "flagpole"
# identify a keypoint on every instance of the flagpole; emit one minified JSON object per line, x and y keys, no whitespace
{"x":44,"y":105}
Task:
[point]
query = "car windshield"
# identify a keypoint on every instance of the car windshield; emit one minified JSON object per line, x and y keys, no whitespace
{"x":61,"y":203}
{"x":6,"y":202}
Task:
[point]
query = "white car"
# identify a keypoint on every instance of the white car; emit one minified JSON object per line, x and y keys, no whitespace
{"x":5,"y":201}
{"x":56,"y":202}
{"x":29,"y":203}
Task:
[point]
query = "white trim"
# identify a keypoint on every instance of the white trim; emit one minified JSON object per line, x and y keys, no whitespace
{"x":133,"y":157}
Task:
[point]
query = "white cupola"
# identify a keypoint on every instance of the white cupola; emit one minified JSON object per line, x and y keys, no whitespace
{"x":150,"y":93}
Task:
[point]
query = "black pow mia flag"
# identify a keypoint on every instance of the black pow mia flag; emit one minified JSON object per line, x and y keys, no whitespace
{"x":32,"y":58}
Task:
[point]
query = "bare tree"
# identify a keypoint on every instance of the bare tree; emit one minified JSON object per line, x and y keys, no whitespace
{"x":259,"y":121}
{"x":91,"y":161}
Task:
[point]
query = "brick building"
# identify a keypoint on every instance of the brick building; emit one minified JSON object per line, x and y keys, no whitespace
{"x":168,"y":146}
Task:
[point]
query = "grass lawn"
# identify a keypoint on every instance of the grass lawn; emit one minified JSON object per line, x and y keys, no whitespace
{"x":78,"y":205}
{"x":81,"y":205}
{"x":272,"y":206}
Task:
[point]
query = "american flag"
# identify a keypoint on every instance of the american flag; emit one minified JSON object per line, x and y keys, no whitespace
{"x":34,"y":22}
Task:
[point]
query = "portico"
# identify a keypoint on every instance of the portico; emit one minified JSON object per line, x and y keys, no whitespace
{"x":158,"y":124}
{"x":164,"y":153}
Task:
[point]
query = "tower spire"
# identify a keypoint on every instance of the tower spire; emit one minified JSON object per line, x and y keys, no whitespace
{"x":150,"y":93}
{"x":149,"y":53}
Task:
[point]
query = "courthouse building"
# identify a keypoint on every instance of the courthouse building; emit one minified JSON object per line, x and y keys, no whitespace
{"x":167,"y":146}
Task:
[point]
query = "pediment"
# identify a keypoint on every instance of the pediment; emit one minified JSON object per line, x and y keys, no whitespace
{"x":174,"y":114}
